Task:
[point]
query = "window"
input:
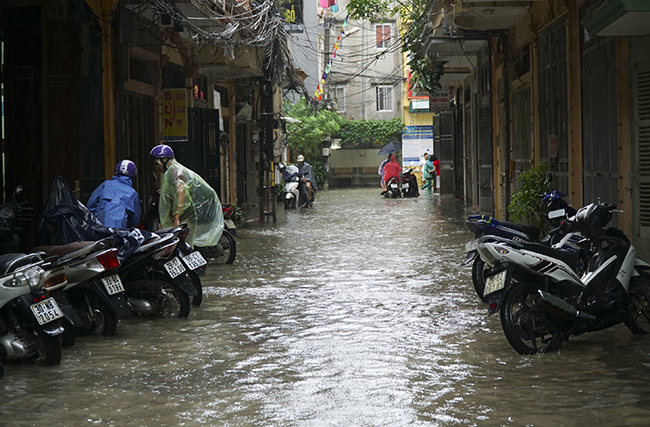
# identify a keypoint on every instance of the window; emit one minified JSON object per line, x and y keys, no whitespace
{"x":384,"y":98}
{"x":200,"y":87}
{"x":339,"y":99}
{"x":383,"y":35}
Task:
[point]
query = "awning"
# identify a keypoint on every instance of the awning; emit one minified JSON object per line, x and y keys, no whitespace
{"x":620,"y":18}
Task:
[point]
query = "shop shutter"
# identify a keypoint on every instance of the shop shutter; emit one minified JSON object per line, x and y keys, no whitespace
{"x":643,"y":158}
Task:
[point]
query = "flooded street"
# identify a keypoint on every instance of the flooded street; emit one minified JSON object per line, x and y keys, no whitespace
{"x":354,"y":313}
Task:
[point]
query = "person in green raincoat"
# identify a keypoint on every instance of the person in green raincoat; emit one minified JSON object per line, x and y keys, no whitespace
{"x":186,"y":197}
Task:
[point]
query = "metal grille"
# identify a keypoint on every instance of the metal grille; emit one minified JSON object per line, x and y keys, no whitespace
{"x":521,"y":131}
{"x":643,"y":167}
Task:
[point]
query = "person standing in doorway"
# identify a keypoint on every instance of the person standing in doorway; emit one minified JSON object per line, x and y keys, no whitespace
{"x":436,"y":166}
{"x":428,"y":172}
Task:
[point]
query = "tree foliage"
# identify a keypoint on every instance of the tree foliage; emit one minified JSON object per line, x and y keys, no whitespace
{"x":426,"y":71}
{"x":526,"y":204}
{"x":369,"y":133}
{"x":306,"y":136}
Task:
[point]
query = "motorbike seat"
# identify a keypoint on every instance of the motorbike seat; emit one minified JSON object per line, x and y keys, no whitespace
{"x":531,"y":230}
{"x":12,"y":261}
{"x":561,"y":254}
{"x":63,"y":250}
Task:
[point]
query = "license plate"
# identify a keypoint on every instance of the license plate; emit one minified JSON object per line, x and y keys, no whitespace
{"x":471,"y":245}
{"x":113,"y":284}
{"x":194,"y":260}
{"x":230,"y":224}
{"x":174,"y":267}
{"x":46,"y":311}
{"x":495,"y":283}
{"x":393,"y":186}
{"x":406,"y":185}
{"x":556,"y":214}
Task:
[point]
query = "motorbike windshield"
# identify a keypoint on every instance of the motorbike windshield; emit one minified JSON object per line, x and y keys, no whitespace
{"x":184,"y":192}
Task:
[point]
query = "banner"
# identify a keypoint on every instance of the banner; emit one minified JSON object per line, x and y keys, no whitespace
{"x":416,"y":140}
{"x":174,"y":104}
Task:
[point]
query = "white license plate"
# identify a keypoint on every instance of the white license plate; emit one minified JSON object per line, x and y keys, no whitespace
{"x":46,"y":311}
{"x":405,"y":185}
{"x":495,"y":283}
{"x":556,"y":213}
{"x":471,"y":245}
{"x":393,"y":185}
{"x":113,"y":284}
{"x":230,"y":224}
{"x":194,"y":260}
{"x":174,"y":267}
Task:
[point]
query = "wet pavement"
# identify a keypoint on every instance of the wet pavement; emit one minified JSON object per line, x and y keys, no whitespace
{"x":354,"y":313}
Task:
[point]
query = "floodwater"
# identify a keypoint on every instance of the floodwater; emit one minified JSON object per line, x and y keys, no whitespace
{"x":354,"y":313}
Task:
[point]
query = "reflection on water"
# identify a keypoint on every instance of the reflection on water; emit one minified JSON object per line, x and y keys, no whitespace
{"x":352,"y":314}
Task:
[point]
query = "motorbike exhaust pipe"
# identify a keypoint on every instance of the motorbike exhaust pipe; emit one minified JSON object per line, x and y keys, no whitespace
{"x":562,"y":307}
{"x":140,"y":306}
{"x":12,"y":347}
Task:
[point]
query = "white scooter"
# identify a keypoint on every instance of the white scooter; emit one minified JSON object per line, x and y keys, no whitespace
{"x":291,"y":175}
{"x":541,"y":298}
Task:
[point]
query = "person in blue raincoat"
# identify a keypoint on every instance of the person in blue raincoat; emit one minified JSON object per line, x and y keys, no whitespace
{"x":115,"y":203}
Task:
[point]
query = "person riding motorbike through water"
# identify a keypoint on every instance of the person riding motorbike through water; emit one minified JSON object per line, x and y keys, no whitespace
{"x":392,"y":169}
{"x":186,"y":197}
{"x":308,"y":175}
{"x":115,"y":203}
{"x":302,"y":188}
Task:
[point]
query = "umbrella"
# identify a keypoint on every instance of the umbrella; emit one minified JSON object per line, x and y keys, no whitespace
{"x":391,"y":147}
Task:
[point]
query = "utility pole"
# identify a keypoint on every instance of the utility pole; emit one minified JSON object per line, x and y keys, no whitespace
{"x":327,"y":24}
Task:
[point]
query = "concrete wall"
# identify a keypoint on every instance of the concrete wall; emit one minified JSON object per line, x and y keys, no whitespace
{"x":354,"y":168}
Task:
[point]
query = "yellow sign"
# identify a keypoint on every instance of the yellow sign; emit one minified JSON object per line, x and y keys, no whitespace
{"x":174,"y":105}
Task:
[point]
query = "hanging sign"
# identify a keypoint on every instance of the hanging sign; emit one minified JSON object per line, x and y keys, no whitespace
{"x":291,"y":11}
{"x":174,"y":104}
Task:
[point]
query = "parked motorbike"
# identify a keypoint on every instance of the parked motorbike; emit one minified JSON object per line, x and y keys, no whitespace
{"x":30,"y":320}
{"x":193,"y":261}
{"x":542,"y":300}
{"x":156,"y":279}
{"x":409,"y":184}
{"x":94,"y":290}
{"x":558,"y":210}
{"x":393,"y":188}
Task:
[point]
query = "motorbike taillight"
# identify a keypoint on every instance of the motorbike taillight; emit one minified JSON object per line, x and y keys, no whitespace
{"x":54,"y":282}
{"x":109,"y":259}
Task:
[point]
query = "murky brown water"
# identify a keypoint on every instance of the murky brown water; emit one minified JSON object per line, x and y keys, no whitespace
{"x":353,"y":314}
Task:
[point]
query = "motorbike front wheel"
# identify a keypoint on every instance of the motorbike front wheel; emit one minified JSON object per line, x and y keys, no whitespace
{"x":528,"y":328}
{"x":42,"y":349}
{"x":290,"y":203}
{"x":478,"y":278}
